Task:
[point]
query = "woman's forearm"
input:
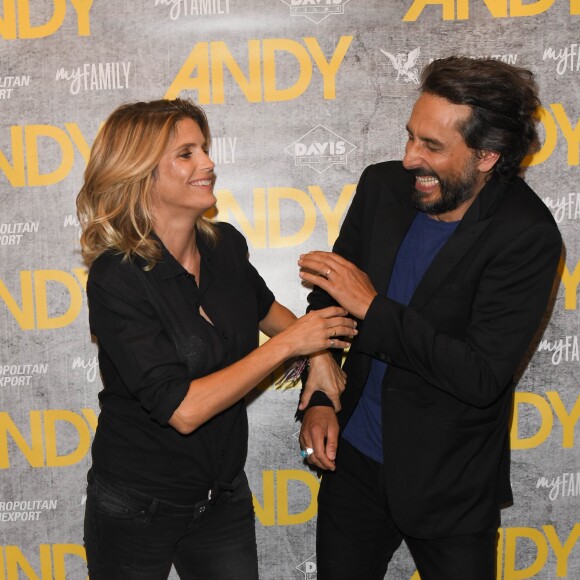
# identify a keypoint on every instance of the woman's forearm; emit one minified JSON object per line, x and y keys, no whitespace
{"x":291,"y":336}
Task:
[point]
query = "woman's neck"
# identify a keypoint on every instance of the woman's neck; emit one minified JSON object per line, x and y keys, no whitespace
{"x":182,"y":244}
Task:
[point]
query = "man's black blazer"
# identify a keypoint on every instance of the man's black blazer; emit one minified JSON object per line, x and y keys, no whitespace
{"x":452,"y":352}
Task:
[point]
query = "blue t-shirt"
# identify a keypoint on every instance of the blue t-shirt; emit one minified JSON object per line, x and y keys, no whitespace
{"x":424,"y":239}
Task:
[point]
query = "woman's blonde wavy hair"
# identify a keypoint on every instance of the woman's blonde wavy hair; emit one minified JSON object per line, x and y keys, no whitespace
{"x":114,"y":204}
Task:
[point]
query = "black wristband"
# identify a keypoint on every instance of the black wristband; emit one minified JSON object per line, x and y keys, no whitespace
{"x":318,"y":399}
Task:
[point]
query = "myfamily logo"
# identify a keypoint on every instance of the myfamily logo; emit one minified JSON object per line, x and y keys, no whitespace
{"x":72,"y":221}
{"x":89,"y":365}
{"x":316,"y":10}
{"x":100,"y":76}
{"x":565,"y":485}
{"x":308,"y":568}
{"x":564,"y":349}
{"x":223,"y":150}
{"x":406,"y":65}
{"x":564,"y":207}
{"x":320,"y":149}
{"x":567,"y":59}
{"x":179,"y":8}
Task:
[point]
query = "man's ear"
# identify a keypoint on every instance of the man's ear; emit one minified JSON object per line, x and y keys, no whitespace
{"x":487,"y":159}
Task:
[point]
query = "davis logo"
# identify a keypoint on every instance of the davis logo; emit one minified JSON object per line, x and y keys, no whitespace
{"x":315,"y":10}
{"x":308,"y":568}
{"x":320,"y":148}
{"x":406,"y":66}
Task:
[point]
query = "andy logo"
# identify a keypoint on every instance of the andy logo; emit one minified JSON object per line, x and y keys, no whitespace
{"x":407,"y":65}
{"x":315,"y":10}
{"x":320,"y":148}
{"x":308,"y":568}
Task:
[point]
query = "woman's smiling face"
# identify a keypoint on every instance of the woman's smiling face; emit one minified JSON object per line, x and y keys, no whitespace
{"x":184,"y":176}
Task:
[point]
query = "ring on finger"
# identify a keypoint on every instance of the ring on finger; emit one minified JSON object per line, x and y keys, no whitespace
{"x":305,"y":453}
{"x":327,"y":273}
{"x":331,"y":343}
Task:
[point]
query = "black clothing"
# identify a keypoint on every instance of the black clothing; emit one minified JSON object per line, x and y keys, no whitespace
{"x":152,"y":343}
{"x":130,"y":535}
{"x":453,"y":351}
{"x":356,"y":535}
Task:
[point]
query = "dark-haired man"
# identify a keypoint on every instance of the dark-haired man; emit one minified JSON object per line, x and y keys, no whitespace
{"x":447,"y":259}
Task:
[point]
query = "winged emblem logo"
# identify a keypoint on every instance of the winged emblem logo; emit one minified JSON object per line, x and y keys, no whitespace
{"x":407,"y":64}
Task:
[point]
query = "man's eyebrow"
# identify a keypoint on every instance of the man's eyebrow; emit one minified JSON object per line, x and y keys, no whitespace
{"x":426,"y":139}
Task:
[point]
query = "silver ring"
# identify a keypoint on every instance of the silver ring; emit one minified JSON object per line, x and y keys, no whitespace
{"x":331,"y":343}
{"x":327,"y":273}
{"x":305,"y":453}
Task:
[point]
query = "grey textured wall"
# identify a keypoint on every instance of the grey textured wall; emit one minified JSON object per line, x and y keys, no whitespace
{"x":301,"y":96}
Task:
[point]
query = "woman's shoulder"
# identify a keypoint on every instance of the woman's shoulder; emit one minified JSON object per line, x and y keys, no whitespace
{"x":112,"y":265}
{"x":227,"y":229}
{"x":229,"y":235}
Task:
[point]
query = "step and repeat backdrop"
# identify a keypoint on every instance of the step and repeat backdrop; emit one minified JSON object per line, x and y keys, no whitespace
{"x":301,"y":95}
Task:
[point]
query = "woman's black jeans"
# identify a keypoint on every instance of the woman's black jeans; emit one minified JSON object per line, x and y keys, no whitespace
{"x":129,"y":535}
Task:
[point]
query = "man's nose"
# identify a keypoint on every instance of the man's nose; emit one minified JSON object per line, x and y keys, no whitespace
{"x":412,"y":157}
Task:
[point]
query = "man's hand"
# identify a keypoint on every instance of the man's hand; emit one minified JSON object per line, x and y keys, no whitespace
{"x":320,"y":432}
{"x":348,"y":285}
{"x":326,"y":376}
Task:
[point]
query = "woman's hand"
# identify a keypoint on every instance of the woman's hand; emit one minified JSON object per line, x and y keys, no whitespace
{"x":348,"y":285}
{"x":209,"y":395}
{"x":324,"y":375}
{"x":316,"y":331}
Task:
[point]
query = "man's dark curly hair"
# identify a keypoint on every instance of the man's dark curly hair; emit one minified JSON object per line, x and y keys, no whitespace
{"x":503,"y":99}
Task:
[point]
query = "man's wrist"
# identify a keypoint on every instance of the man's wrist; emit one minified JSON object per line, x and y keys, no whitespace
{"x":318,"y":399}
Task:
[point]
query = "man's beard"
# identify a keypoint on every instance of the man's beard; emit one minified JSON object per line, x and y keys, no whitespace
{"x":454,"y":191}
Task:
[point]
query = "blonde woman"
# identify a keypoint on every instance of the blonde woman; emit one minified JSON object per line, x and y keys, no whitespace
{"x":176,"y":307}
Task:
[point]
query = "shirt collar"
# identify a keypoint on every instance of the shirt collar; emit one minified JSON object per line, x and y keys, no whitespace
{"x":169,"y":267}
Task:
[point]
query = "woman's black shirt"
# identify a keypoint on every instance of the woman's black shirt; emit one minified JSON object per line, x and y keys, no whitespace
{"x":152,"y":343}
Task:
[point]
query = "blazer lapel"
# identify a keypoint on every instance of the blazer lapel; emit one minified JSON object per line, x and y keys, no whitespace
{"x":445,"y":261}
{"x":472,"y":226}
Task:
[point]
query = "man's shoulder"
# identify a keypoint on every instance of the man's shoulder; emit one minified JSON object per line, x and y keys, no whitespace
{"x":391,"y":167}
{"x":520,"y":211}
{"x":387,"y":177}
{"x":522,"y":203}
